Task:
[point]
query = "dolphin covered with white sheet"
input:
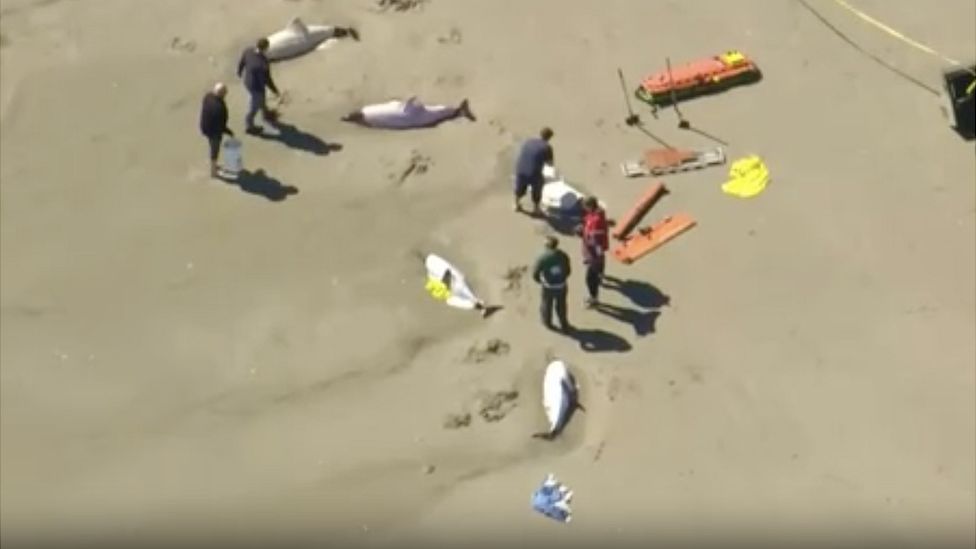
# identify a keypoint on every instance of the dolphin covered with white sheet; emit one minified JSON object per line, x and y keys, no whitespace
{"x":559,"y":196}
{"x":560,"y":397}
{"x":297,"y":38}
{"x":402,"y":115}
{"x":448,"y":283}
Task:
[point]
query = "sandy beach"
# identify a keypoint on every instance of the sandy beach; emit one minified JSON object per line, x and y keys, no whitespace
{"x":188,"y":359}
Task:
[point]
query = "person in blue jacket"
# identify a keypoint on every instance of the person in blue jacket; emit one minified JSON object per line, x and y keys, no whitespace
{"x":536,"y":154}
{"x":255,"y":70}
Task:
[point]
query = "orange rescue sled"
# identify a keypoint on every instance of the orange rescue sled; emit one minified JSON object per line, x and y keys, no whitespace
{"x":651,"y":238}
{"x":698,"y":77}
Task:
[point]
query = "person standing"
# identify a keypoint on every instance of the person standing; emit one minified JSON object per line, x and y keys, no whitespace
{"x":552,"y":273}
{"x":595,"y":245}
{"x":536,"y":154}
{"x":213,"y":123}
{"x":255,"y":69}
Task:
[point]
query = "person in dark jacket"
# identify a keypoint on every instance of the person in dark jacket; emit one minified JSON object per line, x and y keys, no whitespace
{"x":593,"y":233}
{"x":552,"y":273}
{"x":213,"y":123}
{"x":255,"y":69}
{"x":536,"y":154}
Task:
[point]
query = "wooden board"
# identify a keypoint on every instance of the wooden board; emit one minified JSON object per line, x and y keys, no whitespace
{"x":651,"y":238}
{"x":633,"y":217}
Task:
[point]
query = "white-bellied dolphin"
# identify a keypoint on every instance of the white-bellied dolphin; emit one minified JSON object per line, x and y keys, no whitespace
{"x":297,"y":38}
{"x":456,"y":291}
{"x":560,"y":398}
{"x":412,"y":113}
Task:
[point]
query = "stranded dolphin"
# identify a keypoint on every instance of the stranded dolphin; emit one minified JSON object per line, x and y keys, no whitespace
{"x":560,"y":397}
{"x":297,"y":38}
{"x":447,"y":283}
{"x":412,"y":113}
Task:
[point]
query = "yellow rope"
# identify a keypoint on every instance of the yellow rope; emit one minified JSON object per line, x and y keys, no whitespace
{"x":914,"y":43}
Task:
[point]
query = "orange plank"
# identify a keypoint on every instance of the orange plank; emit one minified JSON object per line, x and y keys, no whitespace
{"x":651,"y":238}
{"x":629,"y":221}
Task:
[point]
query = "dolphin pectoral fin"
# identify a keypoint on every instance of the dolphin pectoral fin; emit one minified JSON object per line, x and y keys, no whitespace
{"x":544,"y":435}
{"x":580,"y":407}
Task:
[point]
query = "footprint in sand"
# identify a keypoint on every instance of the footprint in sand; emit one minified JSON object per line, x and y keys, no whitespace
{"x":181,"y":45}
{"x":480,"y":352}
{"x":399,"y":5}
{"x":452,"y":37}
{"x":513,"y":278}
{"x":418,"y":164}
{"x":498,"y":405}
{"x":457,"y":421}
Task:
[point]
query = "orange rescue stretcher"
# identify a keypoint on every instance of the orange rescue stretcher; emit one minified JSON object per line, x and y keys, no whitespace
{"x":634,"y":246}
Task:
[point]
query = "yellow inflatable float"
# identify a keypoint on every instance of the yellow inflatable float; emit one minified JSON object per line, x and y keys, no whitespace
{"x":747,"y":177}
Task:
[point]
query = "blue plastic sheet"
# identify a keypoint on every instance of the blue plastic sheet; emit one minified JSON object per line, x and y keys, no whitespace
{"x":552,"y":500}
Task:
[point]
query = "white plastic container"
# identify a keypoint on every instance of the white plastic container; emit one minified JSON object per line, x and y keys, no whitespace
{"x":233,"y":161}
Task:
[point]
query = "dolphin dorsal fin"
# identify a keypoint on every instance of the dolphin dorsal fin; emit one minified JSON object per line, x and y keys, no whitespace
{"x":297,"y":25}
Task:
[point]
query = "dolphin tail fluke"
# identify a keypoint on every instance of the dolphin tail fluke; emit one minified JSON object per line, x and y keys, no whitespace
{"x":342,"y":32}
{"x":355,"y":117}
{"x":464,"y":109}
{"x":544,"y":435}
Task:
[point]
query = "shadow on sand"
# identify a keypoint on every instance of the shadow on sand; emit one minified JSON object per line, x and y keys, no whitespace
{"x":293,"y":137}
{"x":639,"y":292}
{"x":261,"y":184}
{"x":599,"y":341}
{"x":642,"y":321}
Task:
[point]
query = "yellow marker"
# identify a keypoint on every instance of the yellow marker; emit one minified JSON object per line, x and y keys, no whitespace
{"x":732,"y":57}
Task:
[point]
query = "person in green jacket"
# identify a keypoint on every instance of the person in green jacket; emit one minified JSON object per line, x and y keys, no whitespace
{"x":552,"y":273}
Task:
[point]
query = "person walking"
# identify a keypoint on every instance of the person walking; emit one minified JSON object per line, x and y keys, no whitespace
{"x":536,"y":154}
{"x":552,"y":272}
{"x":255,"y":69}
{"x":213,"y":123}
{"x":595,"y":244}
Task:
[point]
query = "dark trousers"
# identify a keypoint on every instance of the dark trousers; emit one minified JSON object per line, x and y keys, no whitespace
{"x":554,"y":298}
{"x":533,"y":184}
{"x":258,"y":103}
{"x":214,"y":142}
{"x":594,"y":276}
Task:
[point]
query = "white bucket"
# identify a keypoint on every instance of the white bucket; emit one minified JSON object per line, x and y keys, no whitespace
{"x":233,"y":162}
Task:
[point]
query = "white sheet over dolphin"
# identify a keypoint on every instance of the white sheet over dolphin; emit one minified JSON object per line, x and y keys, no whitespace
{"x":446,"y":282}
{"x":412,"y":113}
{"x":297,"y":38}
{"x":560,"y":397}
{"x":560,"y":196}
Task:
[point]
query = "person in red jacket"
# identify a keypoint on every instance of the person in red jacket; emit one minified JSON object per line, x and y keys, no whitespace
{"x":596,"y":241}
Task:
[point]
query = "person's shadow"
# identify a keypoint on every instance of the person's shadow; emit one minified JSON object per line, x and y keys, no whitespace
{"x":298,"y":139}
{"x":642,"y":321}
{"x":261,"y":184}
{"x":639,"y":292}
{"x":596,"y":341}
{"x":566,"y":224}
